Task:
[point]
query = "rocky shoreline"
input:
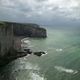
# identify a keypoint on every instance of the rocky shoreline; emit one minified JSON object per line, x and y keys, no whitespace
{"x":10,"y":43}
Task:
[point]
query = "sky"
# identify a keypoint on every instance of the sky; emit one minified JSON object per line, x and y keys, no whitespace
{"x":43,"y":12}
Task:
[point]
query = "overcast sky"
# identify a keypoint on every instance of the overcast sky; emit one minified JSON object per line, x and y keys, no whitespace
{"x":45,"y":12}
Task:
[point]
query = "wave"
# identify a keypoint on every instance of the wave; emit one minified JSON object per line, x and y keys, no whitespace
{"x":24,"y":39}
{"x":26,"y":43}
{"x":23,"y":64}
{"x":45,"y":53}
{"x":63,"y":69}
{"x":35,"y":76}
{"x":32,"y":70}
{"x":59,"y":50}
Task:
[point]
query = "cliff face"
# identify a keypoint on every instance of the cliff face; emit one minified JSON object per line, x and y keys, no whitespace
{"x":29,"y":30}
{"x":9,"y":46}
{"x":6,"y":40}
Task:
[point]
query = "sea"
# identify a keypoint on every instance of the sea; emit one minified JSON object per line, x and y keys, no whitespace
{"x":61,"y":61}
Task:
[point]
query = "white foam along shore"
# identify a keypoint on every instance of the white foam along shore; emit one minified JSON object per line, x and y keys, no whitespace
{"x":26,"y":44}
{"x":25,"y":41}
{"x":35,"y":76}
{"x":24,"y":65}
{"x":45,"y":53}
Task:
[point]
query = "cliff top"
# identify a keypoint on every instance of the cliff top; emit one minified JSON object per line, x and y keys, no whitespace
{"x":30,"y":24}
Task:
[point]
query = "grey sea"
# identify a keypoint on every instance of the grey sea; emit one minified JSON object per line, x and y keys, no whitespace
{"x":62,"y":61}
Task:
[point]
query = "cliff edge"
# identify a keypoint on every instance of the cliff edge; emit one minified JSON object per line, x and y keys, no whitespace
{"x":28,"y":30}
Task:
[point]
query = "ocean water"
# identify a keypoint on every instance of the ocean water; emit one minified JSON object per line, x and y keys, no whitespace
{"x":62,"y":61}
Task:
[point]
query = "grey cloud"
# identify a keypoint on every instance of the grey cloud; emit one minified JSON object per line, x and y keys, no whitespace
{"x":41,"y":1}
{"x":37,"y":11}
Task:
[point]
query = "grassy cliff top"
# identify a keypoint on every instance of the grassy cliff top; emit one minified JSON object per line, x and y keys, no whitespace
{"x":17,"y":24}
{"x":2,"y":22}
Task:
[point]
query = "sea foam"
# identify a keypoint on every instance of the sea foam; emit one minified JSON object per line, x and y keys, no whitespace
{"x":63,"y":69}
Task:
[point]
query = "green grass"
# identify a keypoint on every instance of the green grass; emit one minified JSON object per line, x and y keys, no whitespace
{"x":2,"y":23}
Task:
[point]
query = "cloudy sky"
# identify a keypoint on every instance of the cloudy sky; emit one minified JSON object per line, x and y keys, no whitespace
{"x":45,"y":12}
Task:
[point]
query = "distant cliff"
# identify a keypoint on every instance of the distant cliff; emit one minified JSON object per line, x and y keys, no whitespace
{"x":28,"y":30}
